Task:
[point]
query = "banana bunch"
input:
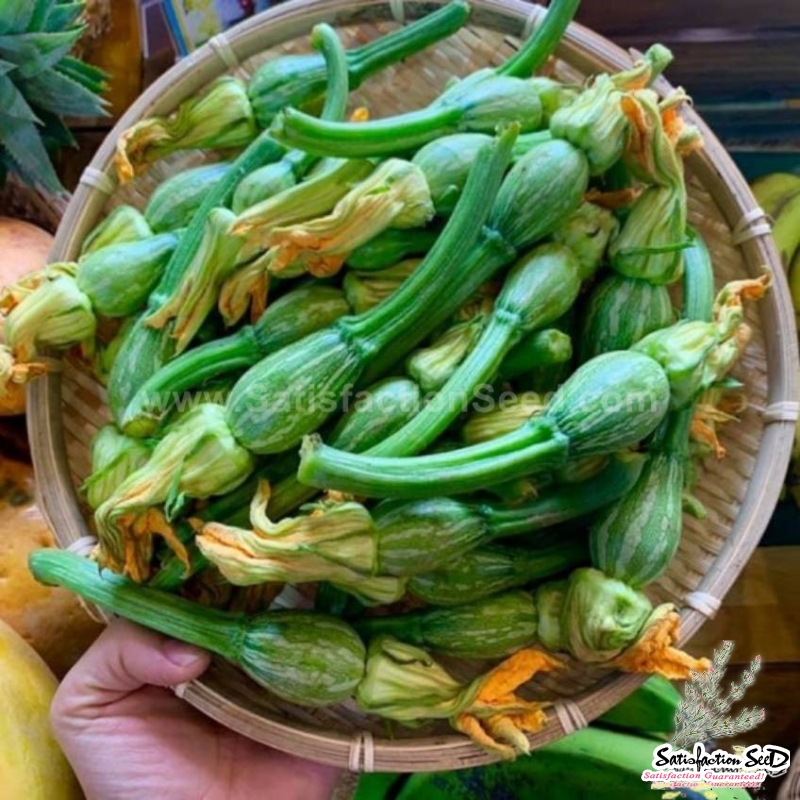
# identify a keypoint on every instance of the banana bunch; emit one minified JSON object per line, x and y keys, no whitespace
{"x":779,"y":195}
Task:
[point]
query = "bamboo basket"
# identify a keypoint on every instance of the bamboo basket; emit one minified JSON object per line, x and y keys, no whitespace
{"x":739,"y":492}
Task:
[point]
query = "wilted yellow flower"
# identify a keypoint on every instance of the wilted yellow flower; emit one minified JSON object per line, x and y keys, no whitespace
{"x":396,"y":195}
{"x":221,"y":117}
{"x":405,"y":683}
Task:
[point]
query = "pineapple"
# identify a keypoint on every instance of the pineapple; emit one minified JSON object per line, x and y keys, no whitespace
{"x":40,"y":84}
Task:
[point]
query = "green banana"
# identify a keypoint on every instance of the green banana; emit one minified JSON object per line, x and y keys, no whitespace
{"x":772,"y":191}
{"x":786,"y":229}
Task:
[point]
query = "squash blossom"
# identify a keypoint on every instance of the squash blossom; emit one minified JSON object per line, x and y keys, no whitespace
{"x":651,"y":243}
{"x":395,"y":195}
{"x":219,"y":118}
{"x":114,"y":457}
{"x":365,"y":290}
{"x":55,"y":314}
{"x":13,"y":377}
{"x":124,"y":224}
{"x":431,"y":366}
{"x":334,"y":541}
{"x":695,"y":355}
{"x":247,"y":287}
{"x":197,"y":458}
{"x":604,"y":620}
{"x":587,"y":232}
{"x":405,"y":683}
{"x":596,"y":122}
{"x":482,"y":426}
{"x":196,"y":295}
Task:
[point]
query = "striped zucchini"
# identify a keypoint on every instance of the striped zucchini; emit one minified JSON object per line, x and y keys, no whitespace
{"x":175,"y":201}
{"x":620,"y":312}
{"x":636,"y":538}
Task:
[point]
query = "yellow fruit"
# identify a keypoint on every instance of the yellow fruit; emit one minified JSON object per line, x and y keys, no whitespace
{"x":52,"y":620}
{"x":32,"y":767}
{"x":772,"y":191}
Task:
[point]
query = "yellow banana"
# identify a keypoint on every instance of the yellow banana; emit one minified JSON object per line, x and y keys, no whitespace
{"x":772,"y":191}
{"x":786,"y":229}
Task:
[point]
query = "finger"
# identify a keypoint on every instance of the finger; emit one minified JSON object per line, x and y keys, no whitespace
{"x":123,"y":659}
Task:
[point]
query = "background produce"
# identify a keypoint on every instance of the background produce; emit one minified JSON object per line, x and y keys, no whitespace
{"x":31,"y":763}
{"x":53,"y":621}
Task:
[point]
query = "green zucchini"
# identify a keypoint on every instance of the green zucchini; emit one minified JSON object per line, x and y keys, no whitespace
{"x":301,"y":657}
{"x":636,"y":538}
{"x":391,"y":247}
{"x":118,"y":278}
{"x":479,"y":102}
{"x":288,"y":319}
{"x":490,"y":570}
{"x":621,"y":311}
{"x":175,"y":201}
{"x":610,"y":403}
{"x":486,"y":629}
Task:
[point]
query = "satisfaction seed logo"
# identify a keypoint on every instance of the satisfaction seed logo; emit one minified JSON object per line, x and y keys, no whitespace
{"x":702,"y":716}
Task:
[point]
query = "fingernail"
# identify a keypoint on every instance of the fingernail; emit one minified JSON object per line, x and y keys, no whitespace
{"x":181,"y":654}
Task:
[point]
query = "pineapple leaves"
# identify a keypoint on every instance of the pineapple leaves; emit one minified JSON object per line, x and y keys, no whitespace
{"x":92,"y":78}
{"x":12,"y":102}
{"x":55,"y":134}
{"x":26,"y":153}
{"x":41,"y":8}
{"x":15,"y":15}
{"x":40,"y":84}
{"x":62,"y":95}
{"x":33,"y":53}
{"x":61,"y":16}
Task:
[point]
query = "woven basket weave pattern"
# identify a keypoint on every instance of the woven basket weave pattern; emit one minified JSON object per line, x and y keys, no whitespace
{"x":738,"y":492}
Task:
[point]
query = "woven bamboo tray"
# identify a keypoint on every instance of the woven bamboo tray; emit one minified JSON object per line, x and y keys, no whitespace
{"x":740,"y":492}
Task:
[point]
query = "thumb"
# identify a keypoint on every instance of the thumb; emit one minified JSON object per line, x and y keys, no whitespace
{"x":123,"y":659}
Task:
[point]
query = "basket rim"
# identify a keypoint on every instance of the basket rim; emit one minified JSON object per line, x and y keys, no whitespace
{"x":587,"y":51}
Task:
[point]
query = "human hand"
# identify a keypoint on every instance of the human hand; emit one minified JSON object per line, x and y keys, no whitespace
{"x":129,"y":738}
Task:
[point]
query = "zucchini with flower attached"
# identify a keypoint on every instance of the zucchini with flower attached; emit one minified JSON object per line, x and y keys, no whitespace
{"x":477,"y":103}
{"x":540,"y":190}
{"x":301,"y":657}
{"x":636,"y":538}
{"x":196,"y":458}
{"x":145,"y":347}
{"x":230,"y":113}
{"x":288,"y":319}
{"x":315,"y":660}
{"x":598,"y":620}
{"x":360,"y":551}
